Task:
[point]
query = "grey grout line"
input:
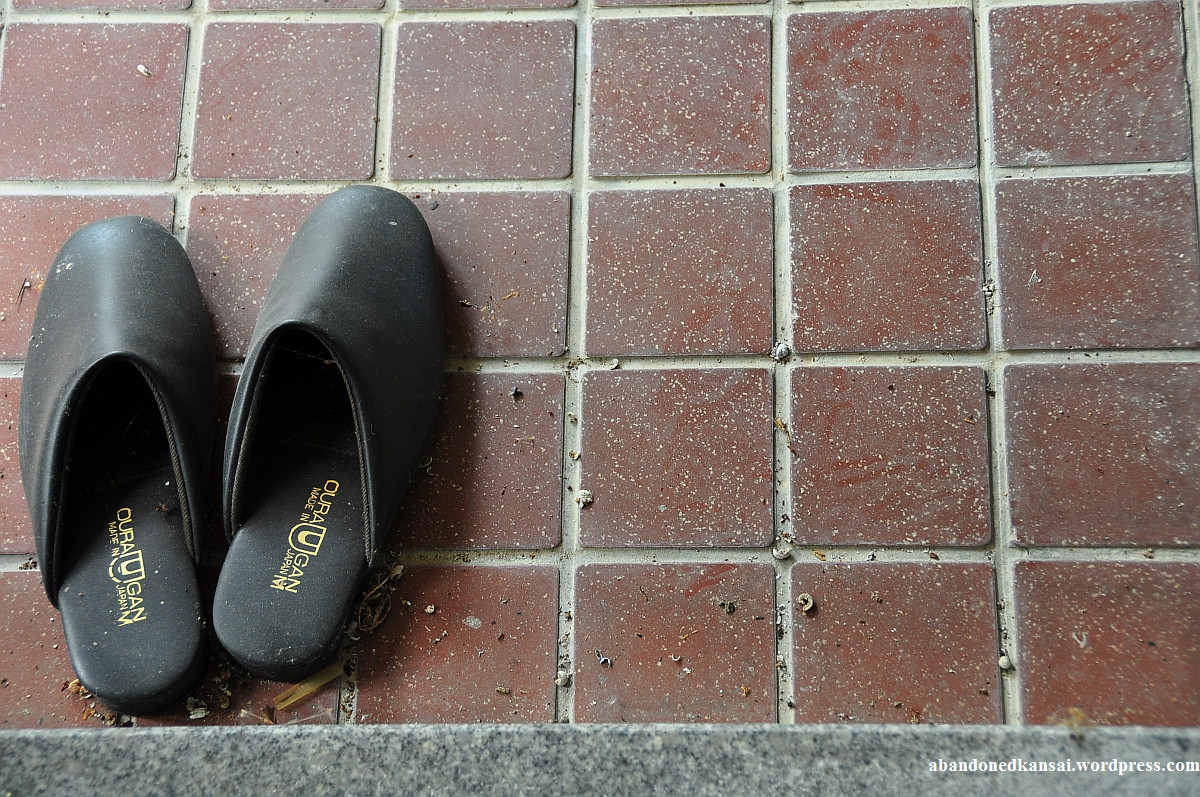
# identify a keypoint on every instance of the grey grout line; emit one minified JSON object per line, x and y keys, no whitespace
{"x":782,"y":309}
{"x":1143,"y":553}
{"x":326,"y":16}
{"x":763,"y":10}
{"x":11,"y":563}
{"x":570,"y":469}
{"x":782,"y":325}
{"x":839,"y":177}
{"x":567,"y":553}
{"x":846,"y":554}
{"x":678,"y":182}
{"x":10,"y":369}
{"x":346,"y":712}
{"x":249,"y":186}
{"x":785,"y":663}
{"x":74,"y":16}
{"x":1009,"y":173}
{"x":1001,"y":544}
{"x":1025,"y":3}
{"x":849,"y":554}
{"x":189,"y":110}
{"x":580,"y":189}
{"x":838,"y":6}
{"x":1191,"y":67}
{"x":385,"y":99}
{"x":1006,"y":554}
{"x":252,"y":187}
{"x":576,"y":367}
{"x":549,"y":365}
{"x":892,"y":359}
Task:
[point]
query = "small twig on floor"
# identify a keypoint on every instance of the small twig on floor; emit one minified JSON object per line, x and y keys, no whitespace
{"x":295,"y":694}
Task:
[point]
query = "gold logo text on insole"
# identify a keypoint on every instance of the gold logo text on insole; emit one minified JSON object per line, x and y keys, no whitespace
{"x":305,"y":538}
{"x":127,"y":568}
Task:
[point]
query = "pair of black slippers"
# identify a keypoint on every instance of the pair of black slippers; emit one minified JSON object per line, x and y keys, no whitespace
{"x":332,"y":414}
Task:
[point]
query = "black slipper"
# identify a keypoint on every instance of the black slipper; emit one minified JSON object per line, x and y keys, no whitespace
{"x":332,"y":414}
{"x":118,"y":410}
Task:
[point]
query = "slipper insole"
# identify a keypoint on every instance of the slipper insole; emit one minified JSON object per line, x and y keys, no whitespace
{"x":296,"y":559}
{"x":128,"y":594}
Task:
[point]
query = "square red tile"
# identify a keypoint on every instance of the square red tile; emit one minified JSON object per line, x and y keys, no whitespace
{"x":680,"y":95}
{"x":504,"y":258}
{"x":464,"y":644}
{"x":34,"y":667}
{"x":1104,"y":454}
{"x":1099,"y":262}
{"x":896,"y":643}
{"x":887,"y":266}
{"x":483,"y":99}
{"x":1111,"y":643}
{"x":1089,"y":83}
{"x":679,"y":272}
{"x":890,"y":456}
{"x":881,"y":90}
{"x":674,"y":643}
{"x":75,"y":105}
{"x":15,"y":534}
{"x":287,"y":101}
{"x":676,"y":458}
{"x":236,"y":243}
{"x":33,"y":229}
{"x":494,"y":480}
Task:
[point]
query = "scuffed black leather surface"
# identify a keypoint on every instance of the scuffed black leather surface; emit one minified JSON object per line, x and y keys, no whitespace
{"x":361,"y":276}
{"x":121,"y":288}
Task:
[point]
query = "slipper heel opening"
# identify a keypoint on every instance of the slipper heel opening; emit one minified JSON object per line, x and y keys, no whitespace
{"x":297,"y":553}
{"x":128,"y":593}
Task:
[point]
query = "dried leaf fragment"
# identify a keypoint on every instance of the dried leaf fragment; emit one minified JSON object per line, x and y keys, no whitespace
{"x":787,"y":435}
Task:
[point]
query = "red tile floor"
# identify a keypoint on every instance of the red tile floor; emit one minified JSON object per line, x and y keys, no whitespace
{"x":968,"y":489}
